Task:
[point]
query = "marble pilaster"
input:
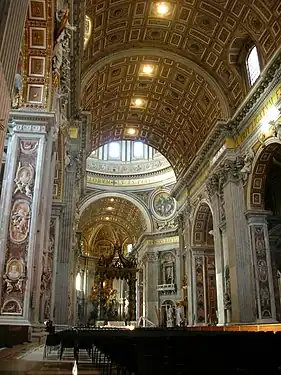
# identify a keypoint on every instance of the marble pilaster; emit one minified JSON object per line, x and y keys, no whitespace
{"x":151,"y":287}
{"x":219,"y":246}
{"x":23,"y":215}
{"x":68,"y":247}
{"x":265,"y":299}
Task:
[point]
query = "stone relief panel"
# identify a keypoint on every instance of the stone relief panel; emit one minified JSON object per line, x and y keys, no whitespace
{"x":47,"y":275}
{"x":14,"y":275}
{"x":163,"y":206}
{"x":24,"y":180}
{"x":261,"y":269}
{"x":199,"y":284}
{"x":19,"y":222}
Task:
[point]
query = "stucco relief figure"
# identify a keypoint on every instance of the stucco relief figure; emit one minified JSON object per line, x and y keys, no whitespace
{"x":259,"y":241}
{"x":28,"y":146}
{"x":24,"y":180}
{"x":62,"y":36}
{"x":19,"y":223}
{"x":14,"y":275}
{"x":164,"y":205}
{"x":11,"y":307}
{"x":247,"y":168}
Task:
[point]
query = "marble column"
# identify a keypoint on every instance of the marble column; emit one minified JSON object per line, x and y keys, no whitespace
{"x":239,"y":251}
{"x":151,"y":287}
{"x":213,"y":188}
{"x":265,"y":299}
{"x":24,"y":216}
{"x":68,"y":247}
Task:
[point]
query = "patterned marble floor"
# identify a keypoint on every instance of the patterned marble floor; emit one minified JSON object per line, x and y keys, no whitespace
{"x":28,"y":360}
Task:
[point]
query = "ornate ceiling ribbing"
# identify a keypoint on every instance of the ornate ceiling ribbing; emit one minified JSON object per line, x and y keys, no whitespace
{"x":115,"y":211}
{"x":197,"y":82}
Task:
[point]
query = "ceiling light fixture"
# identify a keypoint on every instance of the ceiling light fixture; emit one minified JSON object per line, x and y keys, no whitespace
{"x":131,"y":131}
{"x":111,"y":199}
{"x":138,"y":102}
{"x":107,"y":218}
{"x":147,"y":69}
{"x":162,"y":9}
{"x":110,"y":208}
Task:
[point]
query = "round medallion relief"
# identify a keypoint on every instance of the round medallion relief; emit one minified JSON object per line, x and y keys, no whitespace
{"x":163,"y":205}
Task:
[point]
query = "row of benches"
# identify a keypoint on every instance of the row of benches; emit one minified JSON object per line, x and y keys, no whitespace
{"x":177,"y":351}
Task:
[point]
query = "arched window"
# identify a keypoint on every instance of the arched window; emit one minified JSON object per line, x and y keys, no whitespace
{"x":114,"y":151}
{"x":138,"y":150}
{"x":253,"y":65}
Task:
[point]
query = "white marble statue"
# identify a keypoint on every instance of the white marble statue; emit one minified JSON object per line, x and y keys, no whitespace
{"x":170,"y":317}
{"x":247,"y":168}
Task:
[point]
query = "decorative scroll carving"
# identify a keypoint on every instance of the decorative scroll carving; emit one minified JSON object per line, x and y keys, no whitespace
{"x":19,"y":222}
{"x":24,"y":180}
{"x":11,"y":307}
{"x":172,"y":224}
{"x":247,"y":168}
{"x":212,"y":185}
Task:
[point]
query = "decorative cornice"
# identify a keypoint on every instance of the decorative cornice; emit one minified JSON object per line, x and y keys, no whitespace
{"x":269,"y":78}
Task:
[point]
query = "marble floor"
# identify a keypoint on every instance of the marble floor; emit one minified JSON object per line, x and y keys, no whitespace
{"x":28,"y":360}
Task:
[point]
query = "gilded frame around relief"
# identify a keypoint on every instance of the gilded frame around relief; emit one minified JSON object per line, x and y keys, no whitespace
{"x":35,"y":94}
{"x":37,"y":10}
{"x":36,"y":66}
{"x":37,"y":37}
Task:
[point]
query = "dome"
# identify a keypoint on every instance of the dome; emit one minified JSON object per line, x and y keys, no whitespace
{"x":128,"y":164}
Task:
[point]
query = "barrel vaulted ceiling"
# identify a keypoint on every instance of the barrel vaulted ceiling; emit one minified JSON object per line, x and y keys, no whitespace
{"x":197,"y":78}
{"x":115,"y":212}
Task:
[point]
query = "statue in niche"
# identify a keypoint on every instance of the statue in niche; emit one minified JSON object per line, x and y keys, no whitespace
{"x":170,"y":316}
{"x":24,"y":180}
{"x":19,"y":223}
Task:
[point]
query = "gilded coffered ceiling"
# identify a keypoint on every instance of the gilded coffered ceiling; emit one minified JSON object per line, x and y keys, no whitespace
{"x":197,"y":78}
{"x":115,"y":212}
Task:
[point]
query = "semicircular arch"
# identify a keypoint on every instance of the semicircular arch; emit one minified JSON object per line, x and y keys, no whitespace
{"x":257,"y":178}
{"x":91,"y":198}
{"x":202,"y":225}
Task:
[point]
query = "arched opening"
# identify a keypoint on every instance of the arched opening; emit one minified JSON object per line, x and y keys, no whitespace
{"x":108,"y":230}
{"x":168,"y":313}
{"x":265,"y":197}
{"x":204,"y":291}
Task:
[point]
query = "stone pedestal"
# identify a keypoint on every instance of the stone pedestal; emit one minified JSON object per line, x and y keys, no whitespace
{"x":265,"y":300}
{"x":25,"y":217}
